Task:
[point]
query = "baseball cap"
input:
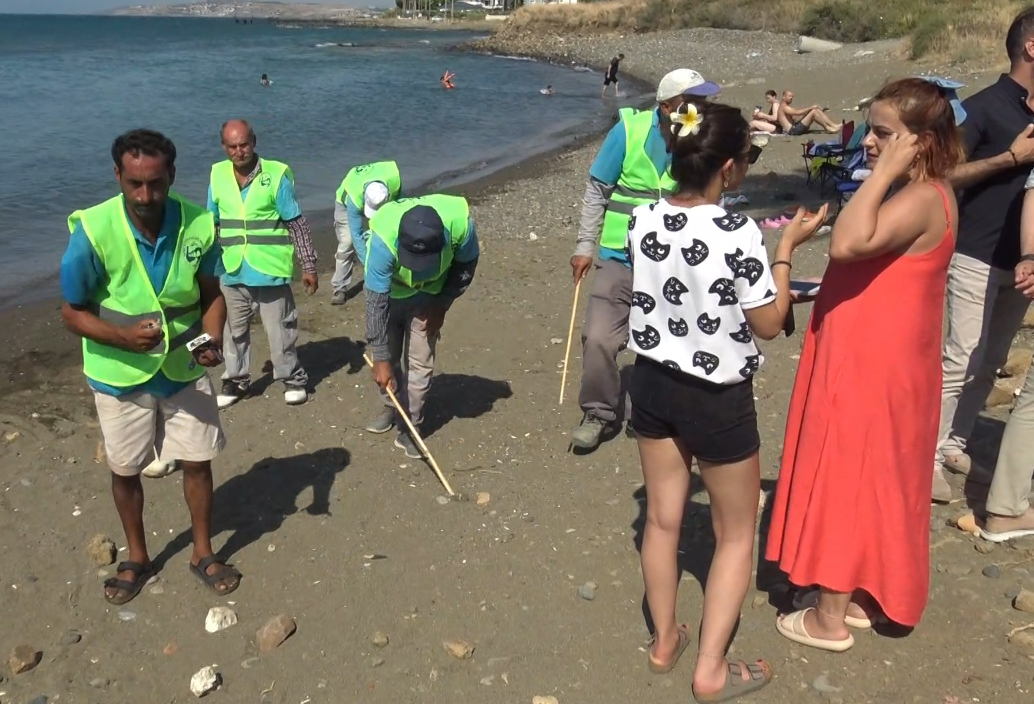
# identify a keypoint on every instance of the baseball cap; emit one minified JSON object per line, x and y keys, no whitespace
{"x":375,"y":195}
{"x":421,"y":238}
{"x":685,"y":81}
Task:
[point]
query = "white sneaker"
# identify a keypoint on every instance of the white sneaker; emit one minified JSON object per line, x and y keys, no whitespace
{"x":159,"y":469}
{"x":295,"y":396}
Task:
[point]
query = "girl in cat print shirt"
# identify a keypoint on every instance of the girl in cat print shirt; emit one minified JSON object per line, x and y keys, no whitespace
{"x":702,"y":289}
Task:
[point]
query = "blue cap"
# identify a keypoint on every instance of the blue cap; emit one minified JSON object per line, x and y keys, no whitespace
{"x":949,"y":88}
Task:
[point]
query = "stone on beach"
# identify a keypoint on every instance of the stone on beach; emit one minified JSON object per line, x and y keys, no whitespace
{"x":101,"y":550}
{"x":219,"y":618}
{"x":204,"y":681}
{"x":1024,"y":601}
{"x":24,"y":658}
{"x":274,"y":632}
{"x":459,"y":649}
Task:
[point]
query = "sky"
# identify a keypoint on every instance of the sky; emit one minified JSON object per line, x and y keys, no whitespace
{"x":85,"y":7}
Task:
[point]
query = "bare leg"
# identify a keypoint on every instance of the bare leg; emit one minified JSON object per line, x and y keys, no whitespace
{"x":666,"y":475}
{"x":826,"y":621}
{"x":197,"y":490}
{"x":762,"y":126}
{"x":733,"y":490}
{"x":128,"y":493}
{"x":821,"y":119}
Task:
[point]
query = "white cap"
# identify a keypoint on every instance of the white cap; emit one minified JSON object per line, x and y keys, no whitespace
{"x":685,"y":81}
{"x":375,"y":195}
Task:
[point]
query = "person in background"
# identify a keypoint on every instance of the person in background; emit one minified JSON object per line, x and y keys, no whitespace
{"x":446,"y":80}
{"x":364,"y":189}
{"x":1009,"y":515}
{"x":548,"y":90}
{"x":140,"y":281}
{"x":423,"y":253}
{"x":984,"y":308}
{"x":261,"y":230}
{"x":703,"y":289}
{"x":265,"y":80}
{"x":851,"y":517}
{"x":795,"y":121}
{"x":611,"y":76}
{"x":767,"y":122}
{"x":630,"y":169}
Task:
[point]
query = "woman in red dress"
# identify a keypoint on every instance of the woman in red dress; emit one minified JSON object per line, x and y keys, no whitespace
{"x":852,"y":505}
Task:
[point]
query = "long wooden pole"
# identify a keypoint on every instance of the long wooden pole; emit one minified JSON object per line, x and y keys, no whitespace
{"x":570,"y":334}
{"x":416,"y":436}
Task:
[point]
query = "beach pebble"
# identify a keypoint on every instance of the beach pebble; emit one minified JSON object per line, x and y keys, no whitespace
{"x":157,"y":589}
{"x":1024,"y":601}
{"x":219,"y":618}
{"x":247,"y":664}
{"x":70,"y":638}
{"x":380,"y":639}
{"x":1024,"y":639}
{"x":170,"y":649}
{"x":991,"y":572}
{"x":101,"y":550}
{"x":483,"y":497}
{"x":587,"y":591}
{"x":822,"y":684}
{"x":759,"y":600}
{"x":126,"y":616}
{"x":11,"y":436}
{"x":984,"y":547}
{"x":442,"y":500}
{"x":98,"y":682}
{"x":274,"y":632}
{"x":24,"y":658}
{"x":459,"y":649}
{"x":488,"y":681}
{"x":556,"y":340}
{"x":41,"y":699}
{"x":544,"y":700}
{"x":376,"y":662}
{"x":204,"y":681}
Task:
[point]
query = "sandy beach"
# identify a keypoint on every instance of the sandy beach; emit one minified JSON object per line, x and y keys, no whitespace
{"x":338,"y":530}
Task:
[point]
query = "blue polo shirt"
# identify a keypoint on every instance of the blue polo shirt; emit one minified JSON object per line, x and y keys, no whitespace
{"x":287,"y":207}
{"x":606,"y":168}
{"x":380,"y":265}
{"x":83,"y":275}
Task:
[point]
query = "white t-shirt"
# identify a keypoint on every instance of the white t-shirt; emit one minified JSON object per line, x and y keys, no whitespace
{"x":694,"y":272}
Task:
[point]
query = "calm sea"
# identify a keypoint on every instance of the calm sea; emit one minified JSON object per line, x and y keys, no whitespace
{"x":69,"y":85}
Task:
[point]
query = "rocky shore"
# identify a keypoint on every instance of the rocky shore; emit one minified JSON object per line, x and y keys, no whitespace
{"x":531,"y":591}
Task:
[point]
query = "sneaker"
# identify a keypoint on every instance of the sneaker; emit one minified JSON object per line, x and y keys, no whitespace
{"x":231,"y":392}
{"x":339,"y":298}
{"x":384,"y":422}
{"x":958,"y":464}
{"x":587,"y":435}
{"x":941,"y":488}
{"x":999,"y":529}
{"x":406,"y":444}
{"x":295,"y":395}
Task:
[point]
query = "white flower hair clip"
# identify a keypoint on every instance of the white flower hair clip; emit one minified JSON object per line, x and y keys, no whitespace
{"x":686,"y":120}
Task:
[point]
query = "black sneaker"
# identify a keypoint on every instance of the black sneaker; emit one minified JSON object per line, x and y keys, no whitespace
{"x":406,"y":444}
{"x":231,"y":392}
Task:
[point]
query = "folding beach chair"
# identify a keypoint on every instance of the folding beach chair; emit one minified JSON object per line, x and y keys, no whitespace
{"x":835,"y":153}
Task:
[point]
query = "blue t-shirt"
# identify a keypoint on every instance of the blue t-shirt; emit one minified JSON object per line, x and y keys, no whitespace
{"x":380,"y":265}
{"x":606,"y":168}
{"x":287,"y":207}
{"x":83,"y":275}
{"x":355,"y":228}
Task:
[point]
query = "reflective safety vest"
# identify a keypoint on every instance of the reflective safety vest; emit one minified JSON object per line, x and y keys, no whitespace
{"x":455,"y":214}
{"x":359,"y":177}
{"x":128,"y":298}
{"x":251,"y":229}
{"x":639,"y":182}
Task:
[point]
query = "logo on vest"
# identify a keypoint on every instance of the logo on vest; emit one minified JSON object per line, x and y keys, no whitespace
{"x":192,"y":250}
{"x":362,"y":169}
{"x":265,"y":180}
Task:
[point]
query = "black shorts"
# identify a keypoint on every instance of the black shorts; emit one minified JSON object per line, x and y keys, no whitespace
{"x":716,"y":422}
{"x":797,"y":129}
{"x":607,"y":80}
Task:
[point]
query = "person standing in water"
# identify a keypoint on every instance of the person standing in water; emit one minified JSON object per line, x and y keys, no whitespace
{"x":612,"y":76}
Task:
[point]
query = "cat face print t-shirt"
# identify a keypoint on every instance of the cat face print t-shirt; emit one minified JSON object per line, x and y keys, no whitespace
{"x":694,"y":271}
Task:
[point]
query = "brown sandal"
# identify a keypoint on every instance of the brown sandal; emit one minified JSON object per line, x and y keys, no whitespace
{"x":759,"y":674}
{"x":662,"y":668}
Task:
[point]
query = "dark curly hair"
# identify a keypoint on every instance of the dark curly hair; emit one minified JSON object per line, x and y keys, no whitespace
{"x":143,"y":141}
{"x":723,"y":134}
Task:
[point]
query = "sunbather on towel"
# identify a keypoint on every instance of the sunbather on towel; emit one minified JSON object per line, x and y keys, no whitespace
{"x":767,"y":120}
{"x":796,"y":121}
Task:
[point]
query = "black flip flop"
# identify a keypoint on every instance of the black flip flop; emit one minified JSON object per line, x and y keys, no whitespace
{"x":141,"y":575}
{"x":228,"y":572}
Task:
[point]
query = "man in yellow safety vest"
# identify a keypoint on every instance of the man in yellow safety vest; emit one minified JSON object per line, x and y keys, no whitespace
{"x":141,"y":287}
{"x":261,"y":230}
{"x":631,"y":168}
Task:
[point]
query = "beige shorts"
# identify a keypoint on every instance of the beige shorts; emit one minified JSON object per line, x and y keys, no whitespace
{"x":182,"y":427}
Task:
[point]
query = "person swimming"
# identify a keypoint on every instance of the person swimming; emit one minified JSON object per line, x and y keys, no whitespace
{"x":265,"y":80}
{"x":446,"y":80}
{"x":548,"y":90}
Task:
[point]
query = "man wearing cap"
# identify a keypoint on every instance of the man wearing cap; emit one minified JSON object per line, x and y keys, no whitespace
{"x":630,"y":169}
{"x":261,"y":230}
{"x":421,"y":257}
{"x":364,"y":189}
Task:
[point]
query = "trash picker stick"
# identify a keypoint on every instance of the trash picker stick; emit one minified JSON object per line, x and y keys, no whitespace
{"x":570,"y":332}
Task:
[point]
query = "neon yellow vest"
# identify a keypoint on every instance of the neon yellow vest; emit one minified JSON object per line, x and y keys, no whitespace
{"x":455,"y":214}
{"x":639,"y":182}
{"x":252,"y":230}
{"x":127,"y":298}
{"x":356,"y":180}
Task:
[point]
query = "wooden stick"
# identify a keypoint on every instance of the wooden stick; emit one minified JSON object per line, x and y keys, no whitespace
{"x":416,"y":435}
{"x":570,"y":333}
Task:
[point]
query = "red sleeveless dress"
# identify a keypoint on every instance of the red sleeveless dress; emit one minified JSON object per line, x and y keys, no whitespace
{"x":852,"y":504}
